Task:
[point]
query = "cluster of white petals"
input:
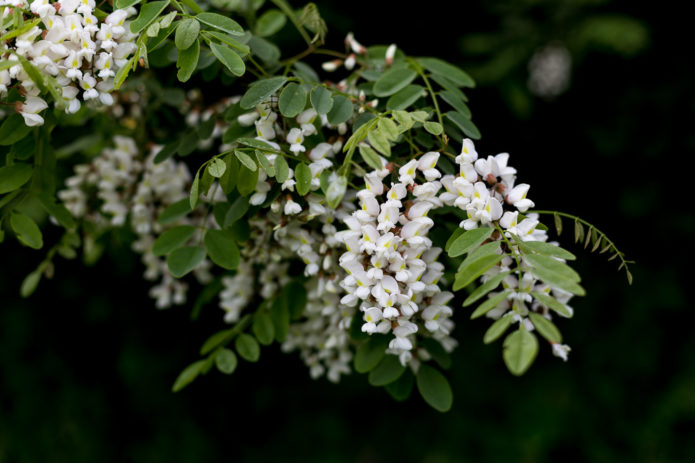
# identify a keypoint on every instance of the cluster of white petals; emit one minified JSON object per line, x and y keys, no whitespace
{"x":70,"y":46}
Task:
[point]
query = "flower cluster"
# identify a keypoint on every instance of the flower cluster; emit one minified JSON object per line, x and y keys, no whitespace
{"x":391,"y":264}
{"x":71,"y":47}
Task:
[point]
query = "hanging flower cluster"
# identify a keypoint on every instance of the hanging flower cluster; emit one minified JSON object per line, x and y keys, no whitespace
{"x":68,"y":48}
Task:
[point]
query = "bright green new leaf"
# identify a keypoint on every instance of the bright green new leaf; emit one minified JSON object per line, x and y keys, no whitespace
{"x":186,"y":33}
{"x":220,"y":22}
{"x":379,"y":141}
{"x":292,"y":100}
{"x":303,"y":176}
{"x":370,"y":353}
{"x":247,"y":347}
{"x":388,"y":128}
{"x":195,"y":191}
{"x":187,"y":376}
{"x":469,"y":240}
{"x":434,"y":388}
{"x":405,"y":97}
{"x":282,"y":170}
{"x":28,"y":233}
{"x":448,"y":71}
{"x":260,"y":90}
{"x":476,"y":268}
{"x":490,"y":304}
{"x":182,"y":260}
{"x":175,"y":211}
{"x":387,"y":371}
{"x":229,"y":58}
{"x":148,"y":13}
{"x":187,"y":61}
{"x":464,"y":124}
{"x":435,"y":128}
{"x":485,"y":288}
{"x":171,"y":239}
{"x":546,"y":328}
{"x":222,"y":248}
{"x":246,"y":160}
{"x":393,"y":80}
{"x":14,"y":176}
{"x":321,"y":99}
{"x":263,"y":328}
{"x":270,"y":22}
{"x":341,"y":111}
{"x":30,"y":283}
{"x":226,"y":361}
{"x":497,"y":329}
{"x":370,"y":156}
{"x":552,"y":303}
{"x":520,"y":350}
{"x":217,"y":167}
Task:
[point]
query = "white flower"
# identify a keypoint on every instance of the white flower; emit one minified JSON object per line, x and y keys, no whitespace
{"x":30,"y":109}
{"x":407,"y":172}
{"x":295,"y":139}
{"x":517,"y":197}
{"x":561,"y":350}
{"x":292,"y":208}
{"x":428,"y":164}
{"x":390,"y":54}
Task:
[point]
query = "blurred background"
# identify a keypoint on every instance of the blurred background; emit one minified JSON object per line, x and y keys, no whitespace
{"x":594,"y":101}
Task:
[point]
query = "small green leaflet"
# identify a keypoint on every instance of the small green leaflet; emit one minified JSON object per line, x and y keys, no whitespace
{"x":171,"y":239}
{"x":270,"y":22}
{"x":265,"y":163}
{"x":498,"y":328}
{"x":247,"y":347}
{"x":552,"y":303}
{"x":247,"y":180}
{"x":246,"y":160}
{"x":485,"y":288}
{"x":370,"y":156}
{"x":186,"y":33}
{"x":448,"y":71}
{"x":490,"y":304}
{"x":321,"y":99}
{"x":520,"y":350}
{"x":220,"y":22}
{"x":280,"y":314}
{"x":195,"y":191}
{"x":476,"y":268}
{"x":263,"y":328}
{"x":393,"y":80}
{"x":187,"y":61}
{"x":370,"y":353}
{"x":435,"y":128}
{"x":292,"y":100}
{"x":229,"y":58}
{"x":341,"y":111}
{"x":464,"y":124}
{"x":387,"y":371}
{"x":469,"y":240}
{"x":457,"y":103}
{"x":303,"y":176}
{"x":260,"y":90}
{"x":12,"y":130}
{"x":282,"y":170}
{"x":217,"y":167}
{"x":405,"y":97}
{"x":545,"y":249}
{"x":379,"y":141}
{"x":226,"y":361}
{"x":434,"y":388}
{"x":14,"y":176}
{"x":555,"y":273}
{"x":30,"y":283}
{"x":222,"y":248}
{"x":402,"y":387}
{"x":546,"y":328}
{"x":184,"y":259}
{"x":187,"y":376}
{"x":484,"y":250}
{"x":175,"y":211}
{"x":437,"y":351}
{"x":148,"y":13}
{"x":167,"y":151}
{"x":28,"y":233}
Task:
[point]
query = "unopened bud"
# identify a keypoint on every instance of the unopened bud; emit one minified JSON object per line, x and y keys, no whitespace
{"x":390,"y":54}
{"x":330,"y":66}
{"x":350,"y":62}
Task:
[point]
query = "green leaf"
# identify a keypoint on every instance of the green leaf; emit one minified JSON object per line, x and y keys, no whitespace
{"x":228,"y":181}
{"x":486,"y":249}
{"x":263,"y":328}
{"x":265,"y":50}
{"x":555,"y":273}
{"x":388,"y":128}
{"x":187,"y":61}
{"x":175,"y":211}
{"x":254,"y":143}
{"x":229,"y":58}
{"x":222,"y":248}
{"x":172,"y":239}
{"x":476,"y":268}
{"x":341,"y":111}
{"x":240,"y":48}
{"x":485,"y":288}
{"x":226,"y":361}
{"x":437,"y":351}
{"x":303,"y":176}
{"x":405,"y":97}
{"x":30,"y":283}
{"x":498,"y":328}
{"x":270,"y":22}
{"x":469,"y":240}
{"x":454,"y":236}
{"x":195,"y":192}
{"x":14,"y":176}
{"x":187,"y":376}
{"x":370,"y":156}
{"x":379,"y":141}
{"x":520,"y":350}
{"x":457,"y":103}
{"x":490,"y":304}
{"x":123,"y":4}
{"x":168,"y":151}
{"x":247,"y":180}
{"x":449,"y":71}
{"x":280,"y":314}
{"x":552,"y":303}
{"x":186,"y":33}
{"x":435,"y":128}
{"x":335,"y":191}
{"x":217,"y":339}
{"x":393,"y":80}
{"x":217,"y":167}
{"x":292,"y":100}
{"x":28,"y":233}
{"x":247,"y":347}
{"x":402,"y":387}
{"x":434,"y":388}
{"x":405,"y":121}
{"x":545,"y":249}
{"x":182,"y":260}
{"x":246,"y":160}
{"x":387,"y":371}
{"x":321,"y":100}
{"x":370,"y":353}
{"x":12,"y":130}
{"x":148,"y":13}
{"x":220,"y":22}
{"x":265,"y":163}
{"x":260,"y":90}
{"x":236,"y":211}
{"x":464,"y":124}
{"x":546,"y":328}
{"x":282,"y":170}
